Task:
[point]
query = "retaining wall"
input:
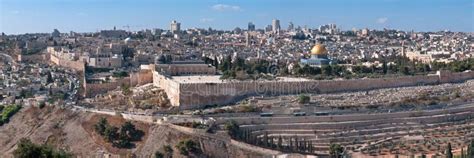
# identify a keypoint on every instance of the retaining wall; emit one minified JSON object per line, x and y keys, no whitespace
{"x":344,"y":118}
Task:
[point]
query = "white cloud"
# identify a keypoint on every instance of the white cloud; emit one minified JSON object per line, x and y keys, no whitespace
{"x":206,"y":20}
{"x":382,"y":20}
{"x":225,"y":7}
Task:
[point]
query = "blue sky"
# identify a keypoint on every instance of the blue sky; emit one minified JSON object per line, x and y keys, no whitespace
{"x":22,"y":16}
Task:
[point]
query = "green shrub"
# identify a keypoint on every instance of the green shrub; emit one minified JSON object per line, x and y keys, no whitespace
{"x":303,"y":99}
{"x":41,"y":105}
{"x":187,"y":146}
{"x":120,"y":74}
{"x":158,"y":154}
{"x":232,"y":128}
{"x":8,"y":112}
{"x":122,"y":137}
{"x":27,"y":149}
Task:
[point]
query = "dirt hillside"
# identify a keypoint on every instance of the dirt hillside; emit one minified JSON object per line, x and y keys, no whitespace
{"x":73,"y":131}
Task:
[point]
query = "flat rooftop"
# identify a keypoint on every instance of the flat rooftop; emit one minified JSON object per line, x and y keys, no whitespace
{"x":216,"y":79}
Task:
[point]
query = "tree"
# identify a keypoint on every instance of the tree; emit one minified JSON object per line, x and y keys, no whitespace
{"x":327,"y":70}
{"x":7,"y":112}
{"x":49,"y":78}
{"x":187,"y":146}
{"x":310,"y":147}
{"x":123,"y":140}
{"x":101,"y":125}
{"x":110,"y":133}
{"x":126,"y":89}
{"x":303,"y":99}
{"x":129,"y":130}
{"x":226,"y":64}
{"x":279,"y":143}
{"x":122,"y":137}
{"x":297,"y":69}
{"x":449,"y":153}
{"x":470,"y":149}
{"x":168,"y":150}
{"x":232,"y":128}
{"x":27,"y":149}
{"x":335,"y":151}
{"x":158,"y":154}
{"x":215,"y":62}
{"x":265,"y":139}
{"x":405,"y":70}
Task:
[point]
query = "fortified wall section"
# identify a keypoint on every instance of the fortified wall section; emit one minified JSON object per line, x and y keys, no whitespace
{"x":76,"y":65}
{"x":170,"y":86}
{"x":194,"y":95}
{"x":139,"y":78}
{"x":448,"y":77}
{"x":35,"y":58}
{"x":92,"y":89}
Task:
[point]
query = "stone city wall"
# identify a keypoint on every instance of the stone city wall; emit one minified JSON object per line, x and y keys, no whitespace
{"x":93,"y":89}
{"x":35,"y":58}
{"x":449,"y":77}
{"x":76,"y":65}
{"x":139,"y":78}
{"x":194,"y":95}
{"x":198,"y":94}
{"x":170,"y":86}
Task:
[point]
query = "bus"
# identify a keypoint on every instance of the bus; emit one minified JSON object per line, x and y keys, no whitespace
{"x":299,"y":113}
{"x":321,"y":113}
{"x":266,"y":114}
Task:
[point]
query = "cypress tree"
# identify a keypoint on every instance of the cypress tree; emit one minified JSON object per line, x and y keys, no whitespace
{"x":297,"y":144}
{"x":272,"y":144}
{"x":449,"y":153}
{"x":279,"y":143}
{"x":470,"y":149}
{"x":265,"y":139}
{"x":291,"y":144}
{"x":309,"y":146}
{"x":216,"y":63}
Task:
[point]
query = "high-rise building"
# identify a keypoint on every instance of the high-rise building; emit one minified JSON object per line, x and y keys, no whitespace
{"x":291,"y":27}
{"x":268,"y":28}
{"x":175,"y":26}
{"x":276,"y":26}
{"x":251,"y":26}
{"x":55,"y":33}
{"x":328,"y":28}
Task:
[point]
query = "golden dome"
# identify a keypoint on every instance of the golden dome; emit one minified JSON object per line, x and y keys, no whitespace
{"x":318,"y":49}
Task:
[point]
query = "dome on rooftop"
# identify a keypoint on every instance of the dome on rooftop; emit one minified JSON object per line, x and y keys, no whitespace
{"x":318,"y":49}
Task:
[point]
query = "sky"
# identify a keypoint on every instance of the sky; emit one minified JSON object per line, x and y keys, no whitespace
{"x":33,"y":16}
